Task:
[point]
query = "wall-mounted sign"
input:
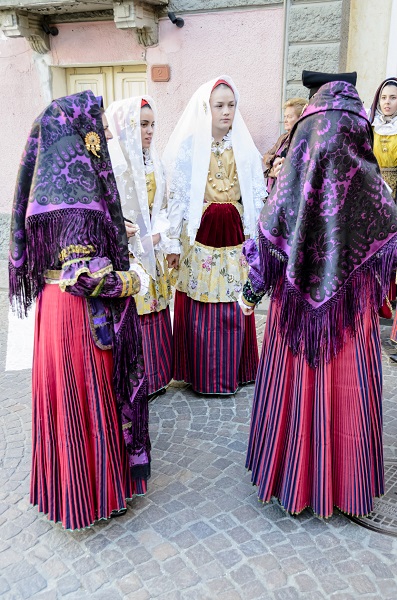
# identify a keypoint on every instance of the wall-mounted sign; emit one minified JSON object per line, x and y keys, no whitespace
{"x":161,"y":73}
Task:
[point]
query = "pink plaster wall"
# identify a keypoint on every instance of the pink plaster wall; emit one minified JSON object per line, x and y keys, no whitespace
{"x":245,"y":44}
{"x":21,"y":101}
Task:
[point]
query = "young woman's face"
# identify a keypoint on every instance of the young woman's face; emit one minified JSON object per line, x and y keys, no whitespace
{"x":108,"y":133}
{"x":290,"y":118}
{"x":223,"y":108}
{"x":388,"y":100}
{"x":147,"y":126}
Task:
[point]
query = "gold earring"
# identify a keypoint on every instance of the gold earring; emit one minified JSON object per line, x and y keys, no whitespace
{"x":93,"y":143}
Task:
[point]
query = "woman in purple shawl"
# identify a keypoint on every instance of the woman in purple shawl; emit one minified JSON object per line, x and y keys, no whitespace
{"x":325,"y":249}
{"x":68,"y":252}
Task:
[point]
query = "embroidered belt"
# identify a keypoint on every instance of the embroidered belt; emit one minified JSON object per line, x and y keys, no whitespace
{"x":52,"y":276}
{"x":390,"y":176}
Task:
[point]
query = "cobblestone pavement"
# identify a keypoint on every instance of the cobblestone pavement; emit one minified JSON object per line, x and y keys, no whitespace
{"x":200,"y":533}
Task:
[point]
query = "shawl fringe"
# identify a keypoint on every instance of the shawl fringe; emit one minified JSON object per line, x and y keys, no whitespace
{"x":20,"y":289}
{"x":320,"y":333}
{"x":47,"y":234}
{"x":131,"y":389}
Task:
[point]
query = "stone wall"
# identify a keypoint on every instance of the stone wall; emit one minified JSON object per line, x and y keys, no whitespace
{"x":317,"y":35}
{"x":178,"y":6}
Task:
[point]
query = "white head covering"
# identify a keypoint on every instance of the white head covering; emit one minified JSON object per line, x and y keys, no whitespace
{"x":382,"y":124}
{"x":124,"y":117}
{"x":187,"y":155}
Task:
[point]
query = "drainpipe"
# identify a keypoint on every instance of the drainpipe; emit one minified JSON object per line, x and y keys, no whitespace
{"x":287,"y":4}
{"x":391,"y":64}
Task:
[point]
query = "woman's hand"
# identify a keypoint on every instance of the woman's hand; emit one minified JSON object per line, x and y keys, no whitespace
{"x":130,"y":228}
{"x":246,"y":310}
{"x":156,"y":238}
{"x":278,"y":163}
{"x":173,"y":261}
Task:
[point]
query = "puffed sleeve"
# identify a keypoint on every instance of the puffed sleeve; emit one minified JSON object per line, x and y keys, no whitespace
{"x":84,"y":274}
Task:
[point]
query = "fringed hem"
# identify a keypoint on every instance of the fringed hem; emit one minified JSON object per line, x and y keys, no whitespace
{"x":20,"y":289}
{"x":123,"y":510}
{"x":47,"y":234}
{"x":320,"y":333}
{"x":130,"y":386}
{"x":308,"y":506}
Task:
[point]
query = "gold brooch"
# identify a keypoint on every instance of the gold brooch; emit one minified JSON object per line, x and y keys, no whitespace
{"x":205,"y":107}
{"x":132,"y":123}
{"x":93,"y":143}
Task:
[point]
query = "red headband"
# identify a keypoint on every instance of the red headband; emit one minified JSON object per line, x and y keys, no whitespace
{"x":144,"y":103}
{"x":220,"y":82}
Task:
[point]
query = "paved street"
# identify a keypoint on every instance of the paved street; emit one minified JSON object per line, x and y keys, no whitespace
{"x":200,"y":533}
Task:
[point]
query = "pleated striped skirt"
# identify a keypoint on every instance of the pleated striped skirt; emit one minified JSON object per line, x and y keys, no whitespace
{"x":215,"y":346}
{"x":80,"y":467}
{"x":316,"y":434}
{"x":157,"y":348}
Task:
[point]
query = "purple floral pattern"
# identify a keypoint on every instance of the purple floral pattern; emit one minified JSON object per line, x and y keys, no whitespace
{"x":329,"y":211}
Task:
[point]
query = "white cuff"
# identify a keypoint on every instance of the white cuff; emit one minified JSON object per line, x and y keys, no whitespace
{"x":143,"y":277}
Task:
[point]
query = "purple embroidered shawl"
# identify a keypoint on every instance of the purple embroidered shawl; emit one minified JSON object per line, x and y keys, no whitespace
{"x":327,"y":234}
{"x":65,"y":195}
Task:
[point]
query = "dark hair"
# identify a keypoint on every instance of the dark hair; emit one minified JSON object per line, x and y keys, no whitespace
{"x":391,"y":82}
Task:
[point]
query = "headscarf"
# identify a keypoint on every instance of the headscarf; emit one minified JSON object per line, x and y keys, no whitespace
{"x":327,"y":234}
{"x":187,"y":156}
{"x":65,"y":194}
{"x":382,"y":124}
{"x":127,"y":157}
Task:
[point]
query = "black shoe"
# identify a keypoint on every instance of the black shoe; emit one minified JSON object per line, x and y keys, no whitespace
{"x":118,"y":513}
{"x":393,"y":357}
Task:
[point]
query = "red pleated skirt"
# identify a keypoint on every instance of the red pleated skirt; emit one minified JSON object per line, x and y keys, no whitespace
{"x":157,"y":348}
{"x":80,"y":468}
{"x":316,"y":434}
{"x":215,"y":345}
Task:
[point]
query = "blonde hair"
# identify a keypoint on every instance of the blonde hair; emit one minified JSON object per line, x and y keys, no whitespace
{"x":299,"y":104}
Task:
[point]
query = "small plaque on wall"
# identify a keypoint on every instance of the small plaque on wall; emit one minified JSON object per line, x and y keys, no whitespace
{"x":161,"y":73}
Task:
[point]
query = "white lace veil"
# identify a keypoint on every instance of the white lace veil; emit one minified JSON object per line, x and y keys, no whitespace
{"x":187,"y":155}
{"x":124,"y":117}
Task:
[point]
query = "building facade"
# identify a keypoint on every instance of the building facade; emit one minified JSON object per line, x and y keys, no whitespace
{"x":126,"y":47}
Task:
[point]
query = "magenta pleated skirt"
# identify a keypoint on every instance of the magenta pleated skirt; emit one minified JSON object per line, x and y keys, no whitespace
{"x":157,"y":348}
{"x":80,"y":468}
{"x":215,"y":346}
{"x":316,"y":434}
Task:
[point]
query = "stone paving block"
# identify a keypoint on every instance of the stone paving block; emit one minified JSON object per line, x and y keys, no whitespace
{"x":255,"y":591}
{"x":30,"y":586}
{"x":185,"y":578}
{"x":185,"y":539}
{"x":164,"y":551}
{"x":4,"y":586}
{"x":201,"y":530}
{"x":199,"y":556}
{"x":332,"y":583}
{"x":229,"y":558}
{"x":68,"y":584}
{"x":129,"y":584}
{"x":288,"y":593}
{"x":362,"y":584}
{"x":94,"y":580}
{"x":84,"y":565}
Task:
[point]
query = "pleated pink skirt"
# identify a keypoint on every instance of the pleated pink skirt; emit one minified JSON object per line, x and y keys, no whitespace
{"x":215,"y":346}
{"x":316,"y":434}
{"x":80,"y":469}
{"x":157,"y":348}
